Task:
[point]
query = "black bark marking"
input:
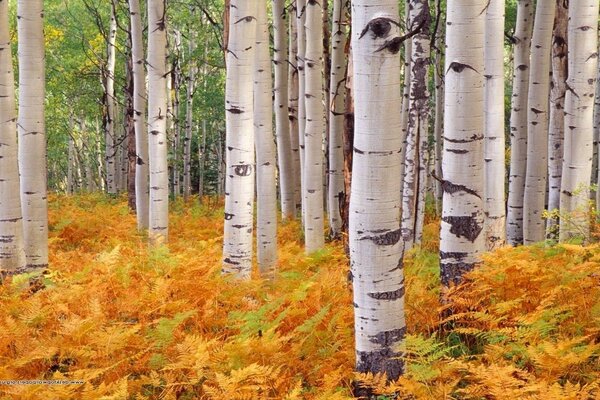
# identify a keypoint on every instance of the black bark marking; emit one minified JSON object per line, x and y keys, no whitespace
{"x":452,"y":273}
{"x":242,"y":170}
{"x":394,"y":295}
{"x":459,"y":256}
{"x":464,"y":226}
{"x":389,"y":238}
{"x":459,"y":67}
{"x":379,"y":26}
{"x":451,"y":188}
{"x":229,"y":217}
{"x":235,"y":110}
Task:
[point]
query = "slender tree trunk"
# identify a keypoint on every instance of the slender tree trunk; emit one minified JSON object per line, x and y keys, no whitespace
{"x":175,"y":126}
{"x":337,"y":93}
{"x":110,"y":116}
{"x":129,"y":144}
{"x":157,"y":123}
{"x":300,"y":58}
{"x":293,"y":88}
{"x":314,"y":128}
{"x":439,"y":107}
{"x":537,"y":121}
{"x":557,"y":114}
{"x":32,"y":131}
{"x":518,"y":122}
{"x":189,"y":120}
{"x":461,"y":238}
{"x":266,"y":152}
{"x":348,"y":145}
{"x":202,"y":162}
{"x":142,"y":187}
{"x":12,"y":251}
{"x":70,"y":157}
{"x":494,"y":142}
{"x":413,"y":188}
{"x":596,"y":170}
{"x":239,"y":184}
{"x":284,"y":147}
{"x":579,"y":119}
{"x":375,"y":245}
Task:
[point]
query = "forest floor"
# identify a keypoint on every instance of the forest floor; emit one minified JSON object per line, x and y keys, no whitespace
{"x":134,"y":323}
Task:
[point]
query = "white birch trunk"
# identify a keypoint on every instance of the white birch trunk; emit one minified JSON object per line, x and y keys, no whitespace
{"x":462,"y":240}
{"x":189,"y":120}
{"x":405,"y":101}
{"x":518,"y":122}
{"x":375,"y":245}
{"x":293,"y":108}
{"x":12,"y":252}
{"x":557,"y":114}
{"x":337,"y":95}
{"x":157,"y":123}
{"x":596,"y":170}
{"x":109,"y":89}
{"x":314,"y":130}
{"x":239,"y":180}
{"x":301,"y":65}
{"x":537,"y":124}
{"x":579,"y":118}
{"x":266,"y":152}
{"x":32,"y":131}
{"x":282,"y":122}
{"x":494,"y":142}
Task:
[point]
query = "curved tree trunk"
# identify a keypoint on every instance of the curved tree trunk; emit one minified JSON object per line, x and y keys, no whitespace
{"x":494,"y":143}
{"x":139,"y":106}
{"x":12,"y":252}
{"x":557,"y":114}
{"x":266,"y":153}
{"x":337,"y":94}
{"x":157,"y":122}
{"x":579,"y":119}
{"x":284,"y":147}
{"x":537,"y":123}
{"x":239,"y":110}
{"x":314,"y":129}
{"x":518,"y":123}
{"x":32,"y":131}
{"x":461,"y":238}
{"x":415,"y":166}
{"x":375,"y":245}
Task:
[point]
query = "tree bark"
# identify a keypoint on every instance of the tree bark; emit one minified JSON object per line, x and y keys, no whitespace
{"x":110,"y":104}
{"x":461,"y":239}
{"x":300,"y":61}
{"x":32,"y":131}
{"x":518,"y":122}
{"x":537,"y":122}
{"x":293,"y":88}
{"x":157,"y":123}
{"x":189,"y":119}
{"x":375,"y":245}
{"x":579,"y":119}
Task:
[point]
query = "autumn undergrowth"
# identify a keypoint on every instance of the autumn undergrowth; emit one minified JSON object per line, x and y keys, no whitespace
{"x":134,"y":323}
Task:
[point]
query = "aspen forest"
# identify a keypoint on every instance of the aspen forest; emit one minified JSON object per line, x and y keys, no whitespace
{"x":300,"y":199}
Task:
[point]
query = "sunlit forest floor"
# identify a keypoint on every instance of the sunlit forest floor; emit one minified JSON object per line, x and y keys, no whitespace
{"x":134,"y":323}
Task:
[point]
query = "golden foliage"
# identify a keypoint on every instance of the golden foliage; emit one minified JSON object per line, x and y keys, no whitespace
{"x":134,"y":323}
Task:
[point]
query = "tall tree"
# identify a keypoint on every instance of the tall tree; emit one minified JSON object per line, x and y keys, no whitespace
{"x":494,"y":143}
{"x":557,"y":112}
{"x":518,"y":122}
{"x":266,"y":153}
{"x":139,"y":105}
{"x":293,"y":89}
{"x":461,"y":239}
{"x":337,"y":93}
{"x":189,"y":118}
{"x":157,"y":122}
{"x":579,"y":118}
{"x":239,"y":181}
{"x":32,"y":131}
{"x":110,"y":105}
{"x":537,"y":123}
{"x":284,"y":146}
{"x":301,"y":65}
{"x":12,"y":252}
{"x":314,"y":129}
{"x":375,"y":245}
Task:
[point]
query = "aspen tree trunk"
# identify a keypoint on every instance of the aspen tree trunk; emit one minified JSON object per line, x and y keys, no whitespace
{"x":415,"y":167}
{"x":300,"y":61}
{"x":32,"y":131}
{"x":438,"y":128}
{"x":266,"y":153}
{"x":405,"y":100}
{"x":110,"y":118}
{"x":518,"y":122}
{"x":557,"y":113}
{"x":537,"y":122}
{"x":348,"y":147}
{"x":337,"y":93}
{"x":282,"y":122}
{"x":201,"y":161}
{"x":239,"y":181}
{"x":597,"y":135}
{"x":12,"y":252}
{"x":375,"y":245}
{"x":175,"y":125}
{"x":157,"y":123}
{"x":70,"y":157}
{"x":293,"y":88}
{"x":461,"y":238}
{"x":579,"y":118}
{"x":314,"y":129}
{"x":494,"y":142}
{"x":131,"y":159}
{"x":189,"y":115}
{"x":142,"y":187}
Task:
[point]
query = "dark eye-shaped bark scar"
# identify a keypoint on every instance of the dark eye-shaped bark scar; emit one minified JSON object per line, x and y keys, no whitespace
{"x":379,"y":26}
{"x":386,"y":239}
{"x":459,"y":67}
{"x":392,"y":45}
{"x":248,"y":18}
{"x":242,"y":170}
